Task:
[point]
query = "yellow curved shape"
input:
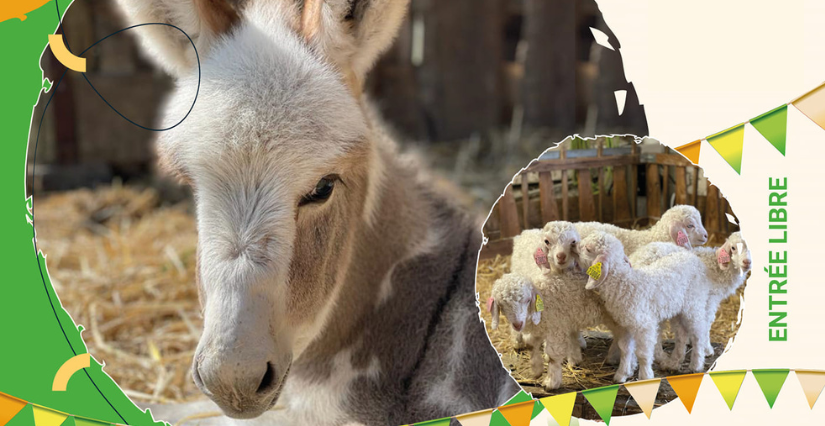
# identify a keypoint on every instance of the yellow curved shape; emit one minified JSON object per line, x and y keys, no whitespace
{"x":63,"y":55}
{"x":65,"y":372}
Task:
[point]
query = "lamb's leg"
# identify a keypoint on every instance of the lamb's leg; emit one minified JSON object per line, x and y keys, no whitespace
{"x":556,"y":349}
{"x":659,"y":354}
{"x":536,"y":361}
{"x":625,"y":345}
{"x":521,"y":341}
{"x":674,"y":362}
{"x":645,"y":340}
{"x":699,"y":331}
{"x":574,"y":350}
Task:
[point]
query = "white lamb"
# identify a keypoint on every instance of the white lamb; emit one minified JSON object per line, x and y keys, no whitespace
{"x":681,"y":225}
{"x":568,"y":308}
{"x":557,"y":242}
{"x":640,"y":298}
{"x":726,"y":269}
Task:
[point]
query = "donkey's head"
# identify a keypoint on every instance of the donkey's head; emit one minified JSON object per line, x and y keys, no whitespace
{"x":281,"y":159}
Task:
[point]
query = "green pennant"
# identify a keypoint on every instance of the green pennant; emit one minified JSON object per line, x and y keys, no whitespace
{"x":771,"y":382}
{"x":773,"y":126}
{"x":497,"y":419}
{"x":602,"y":400}
{"x":522,"y":396}
{"x":729,"y":145}
{"x":728,"y":383}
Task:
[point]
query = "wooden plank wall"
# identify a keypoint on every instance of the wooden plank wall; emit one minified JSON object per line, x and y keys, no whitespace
{"x":623,"y":197}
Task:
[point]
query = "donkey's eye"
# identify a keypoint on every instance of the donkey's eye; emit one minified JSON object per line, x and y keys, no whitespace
{"x":323,"y":190}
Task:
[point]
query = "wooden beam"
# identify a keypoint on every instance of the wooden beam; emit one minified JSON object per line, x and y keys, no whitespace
{"x":508,"y":214}
{"x":547,"y":198}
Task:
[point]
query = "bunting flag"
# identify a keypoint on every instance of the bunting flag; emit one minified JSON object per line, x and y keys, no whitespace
{"x":602,"y":400}
{"x":812,"y":104}
{"x":9,"y":407}
{"x":771,"y":381}
{"x":812,"y":383}
{"x":518,"y":414}
{"x":728,"y":144}
{"x":686,"y":388}
{"x":644,"y":393}
{"x":773,"y":126}
{"x":478,"y":418}
{"x":46,"y":417}
{"x":560,"y":407}
{"x":728,"y":383}
{"x":691,"y":151}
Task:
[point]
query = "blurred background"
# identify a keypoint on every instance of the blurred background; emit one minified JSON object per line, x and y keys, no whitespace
{"x":475,"y":84}
{"x":478,"y":87}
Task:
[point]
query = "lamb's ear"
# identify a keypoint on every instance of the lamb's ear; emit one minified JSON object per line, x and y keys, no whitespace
{"x":495,"y":313}
{"x":723,"y":256}
{"x":597,"y":274}
{"x":203,"y":20}
{"x":352,"y":33}
{"x":678,"y":235}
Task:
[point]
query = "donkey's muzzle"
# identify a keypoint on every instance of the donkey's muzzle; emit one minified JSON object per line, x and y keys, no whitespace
{"x":243,"y":389}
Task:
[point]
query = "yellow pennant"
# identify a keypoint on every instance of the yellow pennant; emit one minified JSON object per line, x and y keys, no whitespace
{"x":46,"y":417}
{"x":595,"y":271}
{"x":728,"y":383}
{"x":560,"y":407}
{"x":644,"y":393}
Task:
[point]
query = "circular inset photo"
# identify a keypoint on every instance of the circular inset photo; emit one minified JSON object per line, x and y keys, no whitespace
{"x":610,"y":260}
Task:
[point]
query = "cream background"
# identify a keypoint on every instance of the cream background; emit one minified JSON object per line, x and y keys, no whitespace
{"x":700,"y":67}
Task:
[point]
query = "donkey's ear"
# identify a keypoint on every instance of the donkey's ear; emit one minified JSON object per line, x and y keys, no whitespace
{"x":352,"y":33}
{"x":203,"y":20}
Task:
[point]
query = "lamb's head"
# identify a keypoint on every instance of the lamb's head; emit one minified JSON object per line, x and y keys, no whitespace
{"x":515,"y":296}
{"x":283,"y":166}
{"x":560,"y":246}
{"x":734,"y":253}
{"x":687,"y":221}
{"x":600,"y":253}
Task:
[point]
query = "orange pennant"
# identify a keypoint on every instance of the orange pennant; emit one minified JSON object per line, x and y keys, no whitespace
{"x":691,"y":151}
{"x":9,"y":407}
{"x":518,"y":414}
{"x":686,"y":387}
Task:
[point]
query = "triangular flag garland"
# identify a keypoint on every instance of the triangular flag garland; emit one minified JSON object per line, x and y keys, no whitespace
{"x":686,"y":387}
{"x":644,"y":393}
{"x":729,"y":145}
{"x":518,"y":414}
{"x":9,"y":407}
{"x":602,"y":399}
{"x":691,"y":151}
{"x":560,"y":407}
{"x":771,"y":381}
{"x":772,"y":125}
{"x":728,"y":383}
{"x":478,"y":418}
{"x":812,"y":383}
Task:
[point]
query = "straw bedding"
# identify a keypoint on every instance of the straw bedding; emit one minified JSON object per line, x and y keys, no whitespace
{"x":123,"y":266}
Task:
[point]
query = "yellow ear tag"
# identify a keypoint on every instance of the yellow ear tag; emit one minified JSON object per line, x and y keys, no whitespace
{"x":539,"y":304}
{"x":595,"y":271}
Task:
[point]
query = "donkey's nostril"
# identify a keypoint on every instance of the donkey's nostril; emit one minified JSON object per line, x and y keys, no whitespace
{"x":268,"y":380}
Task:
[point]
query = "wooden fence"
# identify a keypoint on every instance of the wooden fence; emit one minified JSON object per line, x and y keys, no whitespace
{"x":616,"y":185}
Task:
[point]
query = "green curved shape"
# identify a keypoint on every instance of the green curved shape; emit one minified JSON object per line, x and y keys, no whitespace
{"x":38,"y":335}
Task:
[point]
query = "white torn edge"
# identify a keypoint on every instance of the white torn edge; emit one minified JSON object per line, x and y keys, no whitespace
{"x":601,"y":38}
{"x":621,"y":97}
{"x":731,"y":218}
